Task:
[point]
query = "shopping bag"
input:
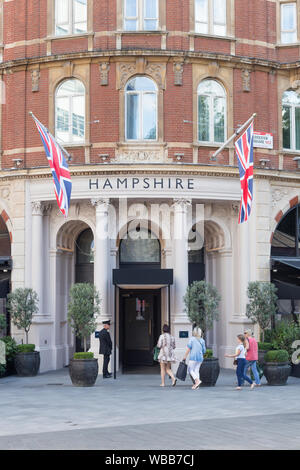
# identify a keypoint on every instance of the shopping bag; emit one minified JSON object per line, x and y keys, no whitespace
{"x":181,"y":371}
{"x":156,"y":351}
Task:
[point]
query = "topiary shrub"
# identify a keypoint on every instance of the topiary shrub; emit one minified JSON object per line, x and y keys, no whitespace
{"x":83,"y":355}
{"x":262,"y":304}
{"x":284,"y":335}
{"x":23,"y":304}
{"x":265,"y":346}
{"x":208,"y":354}
{"x":277,"y":356}
{"x":25,"y":348}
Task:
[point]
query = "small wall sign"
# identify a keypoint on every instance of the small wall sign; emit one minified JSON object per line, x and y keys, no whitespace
{"x":183,"y":334}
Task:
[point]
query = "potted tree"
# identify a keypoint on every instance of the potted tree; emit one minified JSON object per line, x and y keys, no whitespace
{"x":23,"y":304}
{"x":201,"y":303}
{"x":260,"y":309}
{"x":83,"y":308}
{"x":277,"y":367}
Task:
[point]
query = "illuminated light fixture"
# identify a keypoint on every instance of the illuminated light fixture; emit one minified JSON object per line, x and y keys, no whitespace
{"x":179,"y":156}
{"x":104,"y":157}
{"x":297,"y":159}
{"x":17,"y":161}
{"x":264,"y":162}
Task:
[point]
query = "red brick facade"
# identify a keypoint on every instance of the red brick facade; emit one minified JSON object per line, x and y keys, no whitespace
{"x":28,"y":44}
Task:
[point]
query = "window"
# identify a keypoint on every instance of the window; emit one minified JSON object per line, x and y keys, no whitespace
{"x":140,"y":15}
{"x":70,"y":17}
{"x":288,"y":23}
{"x":211,"y":112}
{"x":141,"y":109}
{"x":291,"y":120}
{"x":210,"y":17}
{"x":70,"y":112}
{"x":140,"y":247}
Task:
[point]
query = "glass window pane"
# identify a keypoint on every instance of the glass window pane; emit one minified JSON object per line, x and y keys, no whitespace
{"x":297,"y":127}
{"x":62,"y":118}
{"x":132,"y":118}
{"x":289,"y":38}
{"x":286,"y":127}
{"x":62,"y":11}
{"x":201,"y":11}
{"x":220,"y":12}
{"x":149,"y":116}
{"x":141,"y":84}
{"x":78,"y":118}
{"x":150,"y":25}
{"x":131,"y":25}
{"x":85,"y":247}
{"x":131,"y":8}
{"x":219,"y":30}
{"x":288,"y":16}
{"x":150,"y":9}
{"x":211,"y":87}
{"x":291,"y":97}
{"x":203,"y":111}
{"x":80,"y":28}
{"x":284,"y":238}
{"x":219,"y":120}
{"x":140,"y":247}
{"x":80,"y":11}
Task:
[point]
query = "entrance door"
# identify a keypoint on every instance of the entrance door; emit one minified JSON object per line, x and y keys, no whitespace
{"x":140,"y":319}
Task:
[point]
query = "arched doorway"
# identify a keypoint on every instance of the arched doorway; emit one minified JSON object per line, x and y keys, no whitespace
{"x":196,"y":256}
{"x":5,"y":272}
{"x":140,"y":307}
{"x":285,"y":263}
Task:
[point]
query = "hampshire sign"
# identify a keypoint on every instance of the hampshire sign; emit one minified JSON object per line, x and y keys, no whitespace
{"x":144,"y":183}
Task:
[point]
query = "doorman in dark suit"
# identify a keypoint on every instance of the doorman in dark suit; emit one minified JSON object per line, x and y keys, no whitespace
{"x":105,"y":347}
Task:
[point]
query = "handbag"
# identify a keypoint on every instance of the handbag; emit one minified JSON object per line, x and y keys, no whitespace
{"x":181,"y":371}
{"x":156,"y":351}
{"x":235,"y":362}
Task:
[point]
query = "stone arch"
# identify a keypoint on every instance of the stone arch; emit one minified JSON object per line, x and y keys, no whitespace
{"x":279,"y":214}
{"x":216,"y":233}
{"x":5,"y":216}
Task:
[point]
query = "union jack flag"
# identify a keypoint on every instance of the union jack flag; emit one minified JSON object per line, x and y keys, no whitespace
{"x":244,"y":151}
{"x":59,"y":168}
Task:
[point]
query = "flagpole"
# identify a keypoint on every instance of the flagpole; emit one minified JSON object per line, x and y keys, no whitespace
{"x":61,"y":147}
{"x":237,"y":132}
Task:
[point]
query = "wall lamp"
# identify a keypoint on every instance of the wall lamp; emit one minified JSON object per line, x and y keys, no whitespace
{"x":104,"y":157}
{"x":179,"y":156}
{"x":264,"y":162}
{"x":297,"y":159}
{"x":17,"y":162}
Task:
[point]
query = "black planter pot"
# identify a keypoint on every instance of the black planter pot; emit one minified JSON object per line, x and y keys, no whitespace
{"x":83,"y":372}
{"x":261,"y":357}
{"x":27,"y":364}
{"x":209,"y":372}
{"x":277,"y":373}
{"x":295,"y":372}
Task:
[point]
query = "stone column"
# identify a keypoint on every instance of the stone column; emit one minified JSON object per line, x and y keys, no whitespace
{"x":180,"y":320}
{"x":101,"y":276}
{"x":37,"y":251}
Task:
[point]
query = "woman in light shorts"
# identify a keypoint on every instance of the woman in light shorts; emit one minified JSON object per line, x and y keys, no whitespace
{"x":196,"y":349}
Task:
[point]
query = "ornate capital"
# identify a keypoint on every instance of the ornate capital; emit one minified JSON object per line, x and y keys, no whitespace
{"x":100,"y":203}
{"x":181,"y":203}
{"x":246,"y":79}
{"x":37,"y":208}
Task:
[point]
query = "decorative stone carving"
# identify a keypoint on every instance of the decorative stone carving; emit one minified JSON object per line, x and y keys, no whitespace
{"x":141,"y":66}
{"x":278,"y":194}
{"x":182,"y":202}
{"x":139,"y":156}
{"x":69,"y":68}
{"x":178,"y":73}
{"x":104,"y":70}
{"x":35,"y":80}
{"x":101,"y":202}
{"x":37,"y":208}
{"x":5,"y":193}
{"x":246,"y":80}
{"x":213,"y":69}
{"x":296,"y":85}
{"x":235,"y":207}
{"x":47,"y":209}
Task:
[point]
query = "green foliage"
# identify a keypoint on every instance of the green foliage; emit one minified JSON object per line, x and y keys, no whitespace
{"x":83,"y":309}
{"x":283,"y":336}
{"x":10,"y":352}
{"x":201,"y":302}
{"x":25,"y":348}
{"x":83,"y":355}
{"x":2,"y":322}
{"x":277,"y":356}
{"x":23,"y":304}
{"x":262,"y":303}
{"x":208,"y":354}
{"x":265,"y":346}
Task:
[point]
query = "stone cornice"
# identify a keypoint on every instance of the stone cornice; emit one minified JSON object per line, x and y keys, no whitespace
{"x":115,"y":55}
{"x":153,"y":169}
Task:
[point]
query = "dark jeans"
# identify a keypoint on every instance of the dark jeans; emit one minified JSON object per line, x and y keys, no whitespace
{"x":106,"y":359}
{"x":240,"y":372}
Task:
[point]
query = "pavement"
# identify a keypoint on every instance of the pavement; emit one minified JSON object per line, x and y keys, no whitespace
{"x":132,"y":412}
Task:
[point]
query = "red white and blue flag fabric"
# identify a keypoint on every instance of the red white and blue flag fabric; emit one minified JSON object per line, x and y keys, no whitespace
{"x":244,"y":151}
{"x":59,"y":168}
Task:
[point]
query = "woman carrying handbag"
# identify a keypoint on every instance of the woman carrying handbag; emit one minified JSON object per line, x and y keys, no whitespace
{"x":196,"y":349}
{"x":166,"y":343}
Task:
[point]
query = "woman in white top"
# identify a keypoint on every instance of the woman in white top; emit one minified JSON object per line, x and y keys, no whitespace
{"x":240,"y":355}
{"x":166,"y":343}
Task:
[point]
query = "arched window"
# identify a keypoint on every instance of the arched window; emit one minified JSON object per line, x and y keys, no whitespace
{"x":70,"y":112}
{"x":211,"y":112}
{"x":285,"y":241}
{"x":85,"y":257}
{"x":141,"y":109}
{"x":140,"y":247}
{"x":70,"y":17}
{"x":291,"y":120}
